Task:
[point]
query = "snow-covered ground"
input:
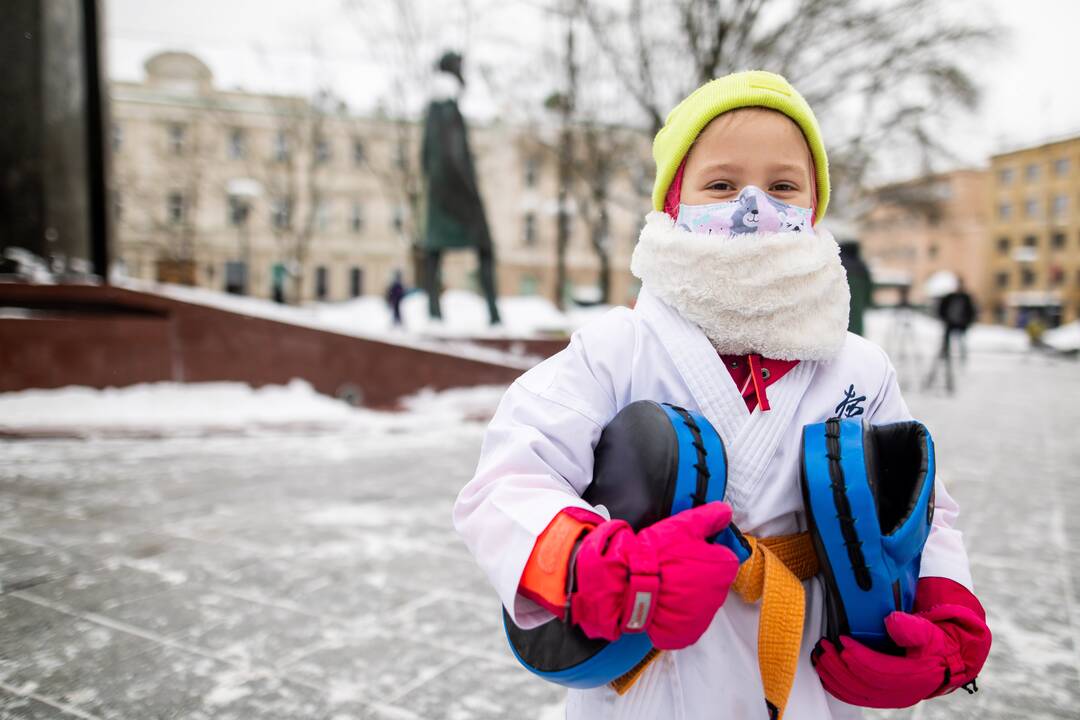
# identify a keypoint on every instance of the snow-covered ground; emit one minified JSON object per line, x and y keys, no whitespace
{"x":205,"y":409}
{"x":214,"y":552}
{"x":287,"y":574}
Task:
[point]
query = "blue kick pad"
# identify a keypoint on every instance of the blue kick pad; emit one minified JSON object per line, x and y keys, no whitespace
{"x":869,"y":496}
{"x":651,"y":461}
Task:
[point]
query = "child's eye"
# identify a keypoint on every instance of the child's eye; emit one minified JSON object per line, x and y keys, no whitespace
{"x":720,"y":186}
{"x":783,"y":187}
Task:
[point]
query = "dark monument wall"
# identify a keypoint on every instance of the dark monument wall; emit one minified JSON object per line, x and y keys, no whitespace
{"x":53,"y":336}
{"x":52,"y":160}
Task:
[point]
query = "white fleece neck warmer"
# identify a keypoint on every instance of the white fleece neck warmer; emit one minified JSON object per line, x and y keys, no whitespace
{"x":783,"y":295}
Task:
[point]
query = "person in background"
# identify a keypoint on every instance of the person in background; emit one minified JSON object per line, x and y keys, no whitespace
{"x":957,"y":312}
{"x":277,"y":279}
{"x":394,"y":295}
{"x":862,"y":287}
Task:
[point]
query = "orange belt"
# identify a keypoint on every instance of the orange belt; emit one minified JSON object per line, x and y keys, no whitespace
{"x":773,"y":574}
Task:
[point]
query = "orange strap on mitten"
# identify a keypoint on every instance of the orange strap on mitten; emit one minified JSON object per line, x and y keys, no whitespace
{"x":546,"y":580}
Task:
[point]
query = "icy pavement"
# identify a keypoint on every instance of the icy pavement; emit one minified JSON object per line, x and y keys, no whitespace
{"x":318,"y":576}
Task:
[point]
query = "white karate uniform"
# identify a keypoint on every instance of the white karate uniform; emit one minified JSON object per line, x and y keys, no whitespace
{"x":537,"y":458}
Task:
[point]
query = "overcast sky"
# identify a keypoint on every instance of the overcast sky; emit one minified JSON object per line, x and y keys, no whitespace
{"x":1029,"y":81}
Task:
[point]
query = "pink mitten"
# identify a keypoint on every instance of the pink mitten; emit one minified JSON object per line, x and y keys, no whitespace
{"x":945,"y":641}
{"x":667,"y":580}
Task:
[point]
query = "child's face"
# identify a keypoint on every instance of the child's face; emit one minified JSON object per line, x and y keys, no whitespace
{"x":750,"y":146}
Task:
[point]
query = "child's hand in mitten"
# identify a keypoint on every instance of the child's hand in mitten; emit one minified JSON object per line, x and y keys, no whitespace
{"x":945,"y":641}
{"x":667,"y":581}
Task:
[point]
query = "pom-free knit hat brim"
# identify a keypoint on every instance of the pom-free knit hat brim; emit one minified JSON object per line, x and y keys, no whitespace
{"x":754,"y":88}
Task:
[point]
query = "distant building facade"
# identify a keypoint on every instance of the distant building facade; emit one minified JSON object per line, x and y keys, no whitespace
{"x":916,"y":229}
{"x":1033,"y":243}
{"x":269,"y":195}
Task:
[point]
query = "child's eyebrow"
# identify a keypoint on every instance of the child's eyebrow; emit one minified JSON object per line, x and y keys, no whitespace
{"x":788,"y":167}
{"x":721,"y":167}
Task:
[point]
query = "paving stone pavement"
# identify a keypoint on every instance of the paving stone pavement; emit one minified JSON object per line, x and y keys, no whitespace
{"x":319,"y":577}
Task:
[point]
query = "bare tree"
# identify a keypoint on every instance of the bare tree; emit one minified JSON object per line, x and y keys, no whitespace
{"x":885,"y":73}
{"x":294,"y":177}
{"x":591,"y":152}
{"x":403,"y":41}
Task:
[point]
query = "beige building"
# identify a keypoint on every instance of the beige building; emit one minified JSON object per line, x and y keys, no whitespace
{"x":932,"y":224}
{"x":1033,"y":243}
{"x":236,"y":191}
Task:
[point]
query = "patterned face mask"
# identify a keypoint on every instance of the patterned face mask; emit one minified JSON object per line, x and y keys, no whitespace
{"x":752,"y":212}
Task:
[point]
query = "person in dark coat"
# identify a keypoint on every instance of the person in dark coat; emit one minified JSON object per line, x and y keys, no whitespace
{"x":859,"y":282}
{"x":394,"y":295}
{"x":455,"y":210}
{"x":957,"y":312}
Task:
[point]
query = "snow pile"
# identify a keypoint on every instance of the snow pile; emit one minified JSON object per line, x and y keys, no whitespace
{"x":198,"y":409}
{"x":1065,"y":338}
{"x":464,"y":314}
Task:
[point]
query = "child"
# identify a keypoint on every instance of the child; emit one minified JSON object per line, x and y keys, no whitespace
{"x":742,"y":317}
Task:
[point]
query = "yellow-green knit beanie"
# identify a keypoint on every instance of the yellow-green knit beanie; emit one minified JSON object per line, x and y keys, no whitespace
{"x":755,"y":88}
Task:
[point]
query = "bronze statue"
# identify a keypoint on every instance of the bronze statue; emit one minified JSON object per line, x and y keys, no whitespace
{"x":455,"y":210}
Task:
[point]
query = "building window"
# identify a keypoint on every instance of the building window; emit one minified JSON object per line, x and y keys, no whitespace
{"x":237,"y":211}
{"x":322,"y":283}
{"x":530,"y":229}
{"x":174,"y":208}
{"x":1031,"y":241}
{"x":1061,"y":166}
{"x":1027,"y":277}
{"x":177,"y":135}
{"x":236,"y":278}
{"x":1060,"y":205}
{"x":359,"y":155}
{"x":280,"y":213}
{"x":356,"y":218}
{"x":356,"y":282}
{"x":1004,"y":211}
{"x":1031,"y":207}
{"x":117,"y":137}
{"x":1002,"y":280}
{"x":1057,"y":241}
{"x":398,"y":219}
{"x":236,"y":144}
{"x":322,"y":215}
{"x":1003,"y":246}
{"x":1057,"y":276}
{"x":322,"y":151}
{"x":281,"y":147}
{"x":532,"y":171}
{"x":1031,"y":172}
{"x":933,"y":251}
{"x":1005,"y":176}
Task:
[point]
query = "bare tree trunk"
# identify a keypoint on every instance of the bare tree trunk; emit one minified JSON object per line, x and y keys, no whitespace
{"x":565,"y":166}
{"x":601,"y":246}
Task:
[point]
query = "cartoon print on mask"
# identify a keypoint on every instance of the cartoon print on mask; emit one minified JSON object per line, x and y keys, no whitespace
{"x":753,"y":211}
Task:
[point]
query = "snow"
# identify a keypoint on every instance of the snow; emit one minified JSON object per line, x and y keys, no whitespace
{"x":1064,"y":338}
{"x":197,"y":409}
{"x":464,"y":315}
{"x":367,"y":323}
{"x":941,"y":284}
